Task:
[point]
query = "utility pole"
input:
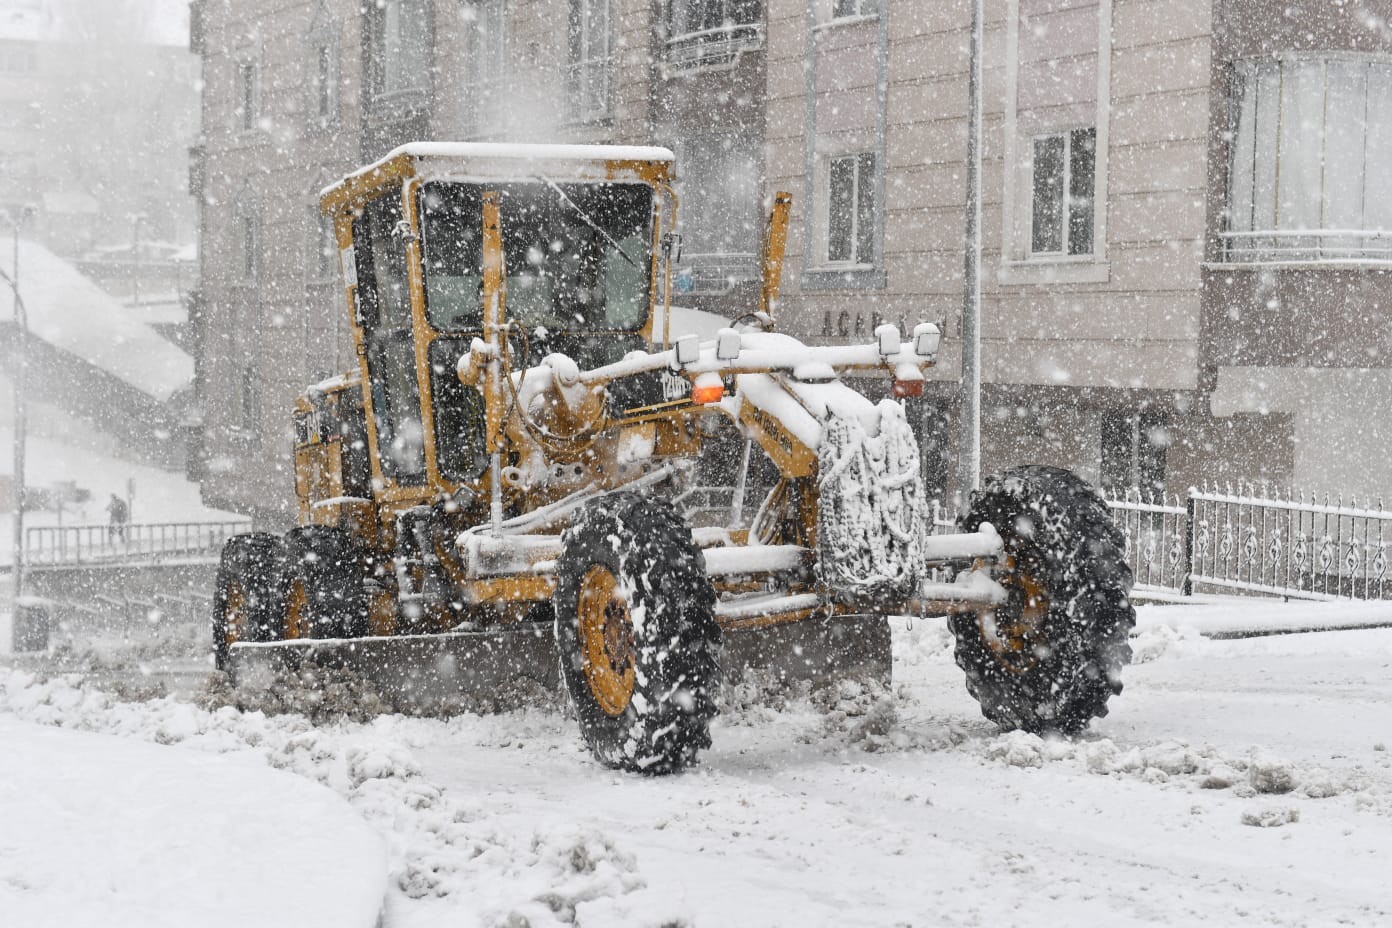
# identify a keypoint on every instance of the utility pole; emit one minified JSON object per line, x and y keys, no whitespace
{"x":136,"y":219}
{"x":21,"y":352}
{"x":969,"y":399}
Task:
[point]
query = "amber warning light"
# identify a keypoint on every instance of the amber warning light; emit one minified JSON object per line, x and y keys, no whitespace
{"x":708,"y":388}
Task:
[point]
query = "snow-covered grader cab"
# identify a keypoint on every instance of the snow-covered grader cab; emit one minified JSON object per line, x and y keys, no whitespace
{"x":499,"y":494}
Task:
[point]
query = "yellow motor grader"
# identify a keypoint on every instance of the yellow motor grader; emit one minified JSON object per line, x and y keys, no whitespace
{"x":515,"y":483}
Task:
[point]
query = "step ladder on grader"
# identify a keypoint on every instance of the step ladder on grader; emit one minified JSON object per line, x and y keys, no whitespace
{"x":491,"y":498}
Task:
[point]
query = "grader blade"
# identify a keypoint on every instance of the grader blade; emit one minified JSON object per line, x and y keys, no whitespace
{"x":819,"y":650}
{"x":437,"y":674}
{"x":498,"y":671}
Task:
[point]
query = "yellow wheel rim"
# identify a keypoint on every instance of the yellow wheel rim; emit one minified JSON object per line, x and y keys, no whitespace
{"x":297,"y":611}
{"x":234,"y":614}
{"x":607,"y":648}
{"x":1015,"y":639}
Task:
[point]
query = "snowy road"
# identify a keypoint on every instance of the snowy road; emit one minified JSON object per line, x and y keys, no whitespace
{"x":791,"y":819}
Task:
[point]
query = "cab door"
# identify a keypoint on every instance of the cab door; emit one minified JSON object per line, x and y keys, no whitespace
{"x":384,"y":315}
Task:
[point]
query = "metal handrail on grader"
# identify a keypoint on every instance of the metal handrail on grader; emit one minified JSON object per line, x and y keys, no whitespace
{"x":487,"y":503}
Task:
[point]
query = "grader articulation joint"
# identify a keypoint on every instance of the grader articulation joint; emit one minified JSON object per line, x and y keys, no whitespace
{"x":537,"y":471}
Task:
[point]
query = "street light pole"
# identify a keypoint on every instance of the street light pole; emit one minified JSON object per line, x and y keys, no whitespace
{"x":21,"y":351}
{"x":969,"y":456}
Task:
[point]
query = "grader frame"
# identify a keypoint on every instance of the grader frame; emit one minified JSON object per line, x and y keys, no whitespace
{"x":480,"y":493}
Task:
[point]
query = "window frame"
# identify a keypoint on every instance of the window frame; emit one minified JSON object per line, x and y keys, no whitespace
{"x":1274,"y":164}
{"x":860,"y":182}
{"x":325,"y":83}
{"x":321,"y":262}
{"x":856,"y":11}
{"x":379,"y":62}
{"x":486,"y":63}
{"x":248,"y":102}
{"x":1016,"y":266}
{"x":1065,"y":209}
{"x":582,"y":64}
{"x":246,"y":238}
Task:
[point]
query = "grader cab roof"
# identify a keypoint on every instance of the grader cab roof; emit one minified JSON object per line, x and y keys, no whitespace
{"x":500,"y":161}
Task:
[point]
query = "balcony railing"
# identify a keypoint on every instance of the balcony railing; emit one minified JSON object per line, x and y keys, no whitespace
{"x":710,"y":49}
{"x":716,"y":272}
{"x":1309,"y":246}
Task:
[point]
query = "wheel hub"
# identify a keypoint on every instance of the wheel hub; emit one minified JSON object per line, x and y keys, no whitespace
{"x":235,"y":614}
{"x":607,"y":645}
{"x":1017,"y":632}
{"x":297,"y":611}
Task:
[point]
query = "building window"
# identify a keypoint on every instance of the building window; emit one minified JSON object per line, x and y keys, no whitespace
{"x":247,"y":241}
{"x":589,"y":57}
{"x":846,"y":9}
{"x":851,"y":210}
{"x":711,"y":33}
{"x":325,"y":84}
{"x":400,"y":32}
{"x":323,"y":244}
{"x":251,"y":400}
{"x":1311,"y":146}
{"x":248,"y":94}
{"x":1134,"y":444}
{"x":1064,"y":171}
{"x":719,"y":186}
{"x":486,"y":64}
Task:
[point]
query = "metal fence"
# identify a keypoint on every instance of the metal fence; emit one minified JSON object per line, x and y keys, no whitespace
{"x":1234,"y":540}
{"x":1251,"y":540}
{"x":143,"y":542}
{"x":1302,"y":548}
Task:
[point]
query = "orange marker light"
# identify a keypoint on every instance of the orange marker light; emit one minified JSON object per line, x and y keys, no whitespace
{"x":906,"y":388}
{"x":708,"y":388}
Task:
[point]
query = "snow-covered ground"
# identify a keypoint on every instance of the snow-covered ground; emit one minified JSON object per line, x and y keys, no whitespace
{"x":1235,"y":782}
{"x":114,"y":832}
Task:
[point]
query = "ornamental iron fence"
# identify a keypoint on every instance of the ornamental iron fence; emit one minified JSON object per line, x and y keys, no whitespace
{"x":1251,"y":540}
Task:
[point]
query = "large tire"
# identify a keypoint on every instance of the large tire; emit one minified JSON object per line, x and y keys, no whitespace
{"x":636,"y":632}
{"x":249,"y":602}
{"x":324,"y":592}
{"x":1048,"y":661}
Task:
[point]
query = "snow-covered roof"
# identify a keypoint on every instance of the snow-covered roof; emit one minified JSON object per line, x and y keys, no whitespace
{"x":168,"y":22}
{"x":516,"y":151}
{"x":26,"y":21}
{"x":73,"y":314}
{"x":165,"y":22}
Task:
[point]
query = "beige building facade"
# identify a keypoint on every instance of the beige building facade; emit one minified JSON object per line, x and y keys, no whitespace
{"x":1119,"y":337}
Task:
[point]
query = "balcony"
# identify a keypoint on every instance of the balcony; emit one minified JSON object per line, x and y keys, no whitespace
{"x":715,"y":273}
{"x":713,"y":49}
{"x":1332,"y":247}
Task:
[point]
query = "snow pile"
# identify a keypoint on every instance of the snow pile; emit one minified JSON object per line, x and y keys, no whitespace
{"x":443,"y":852}
{"x":866,"y":712}
{"x":1270,"y":816}
{"x":1172,"y":762}
{"x":322,"y":694}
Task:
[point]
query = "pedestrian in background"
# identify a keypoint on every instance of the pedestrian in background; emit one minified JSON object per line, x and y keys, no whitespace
{"x":120,"y":515}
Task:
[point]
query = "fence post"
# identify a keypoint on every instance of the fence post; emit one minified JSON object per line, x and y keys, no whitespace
{"x":1187,"y":587}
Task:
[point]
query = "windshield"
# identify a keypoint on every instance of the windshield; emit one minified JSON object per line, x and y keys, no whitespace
{"x":578,"y":256}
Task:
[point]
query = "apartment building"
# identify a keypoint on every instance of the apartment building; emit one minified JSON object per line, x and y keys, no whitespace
{"x":1161,"y":305}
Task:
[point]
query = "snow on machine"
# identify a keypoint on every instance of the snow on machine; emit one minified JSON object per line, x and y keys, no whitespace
{"x":505,"y":491}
